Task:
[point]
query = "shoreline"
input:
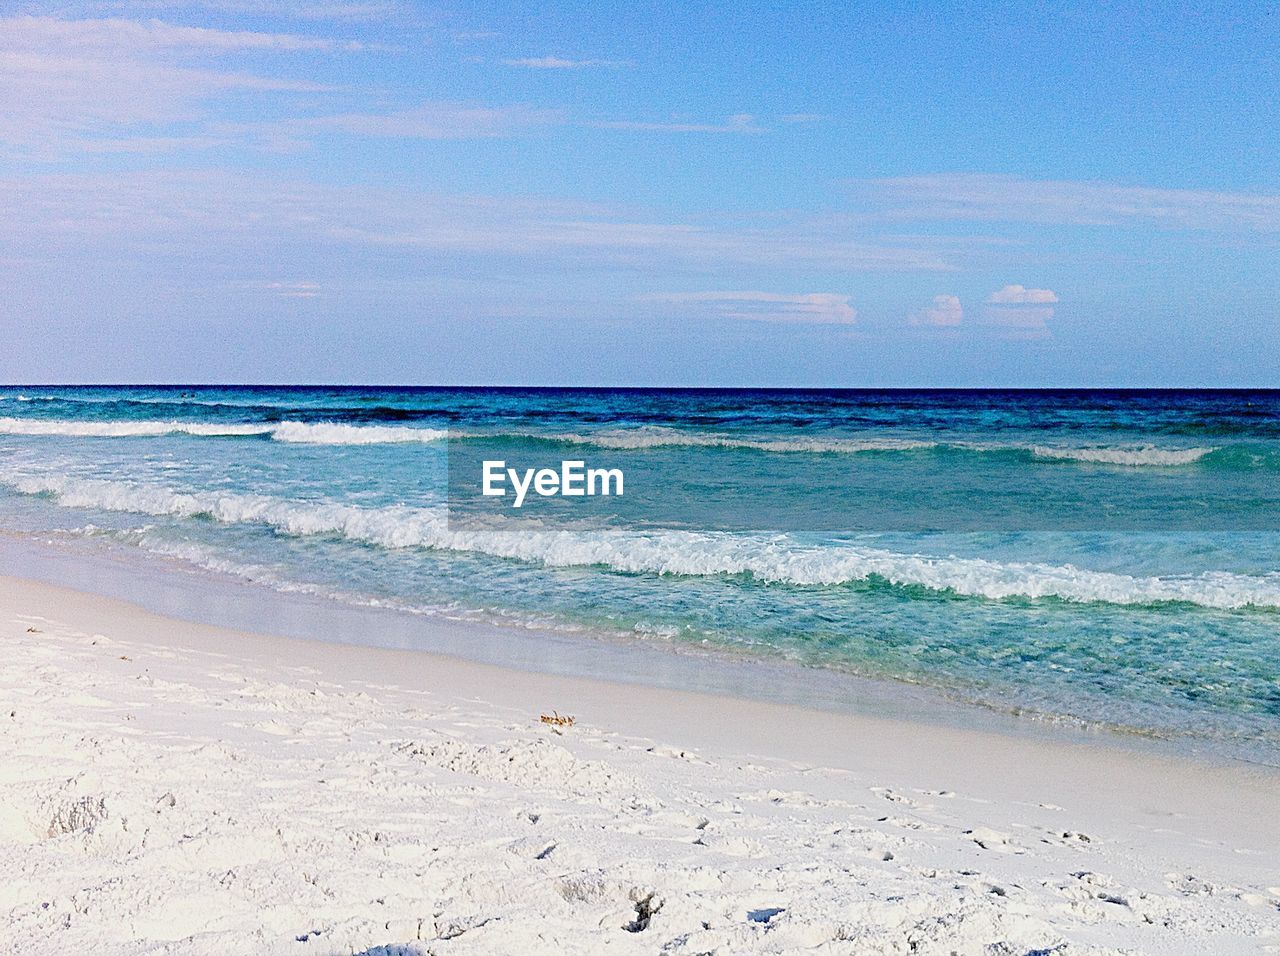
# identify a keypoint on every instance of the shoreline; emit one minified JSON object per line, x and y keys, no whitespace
{"x":1029,"y":815}
{"x":173,"y":588}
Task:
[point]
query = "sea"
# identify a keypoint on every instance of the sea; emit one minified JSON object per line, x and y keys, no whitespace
{"x":1099,"y":559}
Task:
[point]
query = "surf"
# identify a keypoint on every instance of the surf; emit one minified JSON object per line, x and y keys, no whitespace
{"x":768,"y":559}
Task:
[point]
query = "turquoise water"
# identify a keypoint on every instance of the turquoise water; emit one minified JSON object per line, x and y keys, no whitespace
{"x":1103,"y":557}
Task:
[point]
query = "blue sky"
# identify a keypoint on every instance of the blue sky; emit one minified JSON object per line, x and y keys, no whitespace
{"x":732,"y":194}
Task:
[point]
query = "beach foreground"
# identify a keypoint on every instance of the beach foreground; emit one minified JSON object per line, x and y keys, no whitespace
{"x":171,"y":787}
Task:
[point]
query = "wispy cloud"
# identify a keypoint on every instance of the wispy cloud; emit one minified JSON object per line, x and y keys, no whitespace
{"x":945,"y":311}
{"x":118,"y":37}
{"x":142,"y":145}
{"x":68,"y":84}
{"x":999,"y":198}
{"x":1021,"y":312}
{"x":192,"y":213}
{"x":294,"y":290}
{"x":1021,"y":295}
{"x":738,"y":123}
{"x":354,"y":10}
{"x":827,"y":308}
{"x":52,"y":102}
{"x":558,"y":63}
{"x":432,"y":121}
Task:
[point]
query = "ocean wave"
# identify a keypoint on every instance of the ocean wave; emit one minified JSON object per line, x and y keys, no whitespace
{"x":776,"y":559}
{"x":646,"y":437}
{"x":126,"y":429}
{"x":333,"y":433}
{"x":1109,"y":455}
{"x":338,"y":433}
{"x":318,"y":433}
{"x":659,"y":437}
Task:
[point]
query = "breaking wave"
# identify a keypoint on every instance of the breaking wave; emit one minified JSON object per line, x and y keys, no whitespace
{"x":333,"y":433}
{"x":1107,"y":455}
{"x":338,"y":433}
{"x":776,"y":559}
{"x":318,"y":433}
{"x":660,"y":437}
{"x":125,"y":429}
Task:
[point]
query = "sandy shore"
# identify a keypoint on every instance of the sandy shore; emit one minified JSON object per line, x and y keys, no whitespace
{"x":171,"y":787}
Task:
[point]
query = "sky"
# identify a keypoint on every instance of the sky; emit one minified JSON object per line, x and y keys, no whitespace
{"x":756,"y":194}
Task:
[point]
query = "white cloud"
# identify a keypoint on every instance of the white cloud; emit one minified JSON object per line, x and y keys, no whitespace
{"x":1022,"y":312}
{"x":294,"y":290}
{"x":73,"y":84}
{"x":117,"y":37}
{"x":432,"y":121}
{"x":143,"y":145}
{"x":815,"y":307}
{"x":556,"y":63}
{"x":103,"y":86}
{"x":1021,"y":295}
{"x":738,"y":123}
{"x":999,"y":198}
{"x":292,"y":9}
{"x":48,"y":103}
{"x":945,"y":311}
{"x":195,"y":213}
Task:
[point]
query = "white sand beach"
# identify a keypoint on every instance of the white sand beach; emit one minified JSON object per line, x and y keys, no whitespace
{"x":168,"y":787}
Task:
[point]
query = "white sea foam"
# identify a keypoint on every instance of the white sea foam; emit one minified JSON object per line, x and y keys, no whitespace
{"x":337,"y":433}
{"x":333,"y":433}
{"x":660,"y":437}
{"x":771,"y":559}
{"x":1145,"y":455}
{"x":313,"y":433}
{"x":124,"y":429}
{"x":657,"y":437}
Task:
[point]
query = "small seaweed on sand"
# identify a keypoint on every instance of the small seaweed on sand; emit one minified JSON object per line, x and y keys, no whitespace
{"x":555,"y":719}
